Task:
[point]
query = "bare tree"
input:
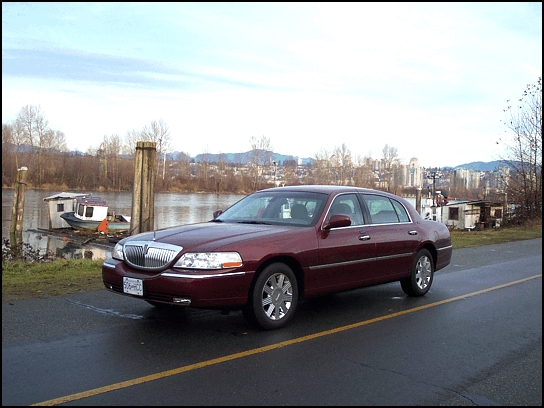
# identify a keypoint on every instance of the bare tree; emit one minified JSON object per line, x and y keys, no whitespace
{"x":363,"y":174}
{"x":289,"y":176}
{"x":9,"y":153}
{"x":204,"y":166}
{"x":132,"y":137}
{"x":26,"y":120}
{"x":42,"y":140}
{"x":158,"y":132}
{"x":321,"y":167}
{"x":524,"y":152}
{"x":343,"y":165}
{"x":261,"y":155}
{"x":109,"y":156}
{"x":7,"y":135}
{"x":220,"y":173}
{"x":390,"y":161}
{"x":52,"y":148}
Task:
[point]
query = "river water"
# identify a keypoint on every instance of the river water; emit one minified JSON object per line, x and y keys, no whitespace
{"x":171,"y":209}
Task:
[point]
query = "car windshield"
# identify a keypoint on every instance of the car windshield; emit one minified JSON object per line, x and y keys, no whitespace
{"x":276,"y":208}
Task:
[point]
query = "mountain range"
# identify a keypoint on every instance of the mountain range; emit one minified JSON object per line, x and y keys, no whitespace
{"x":281,"y":158}
{"x":481,"y":166}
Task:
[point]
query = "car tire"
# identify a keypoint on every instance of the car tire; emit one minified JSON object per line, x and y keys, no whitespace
{"x":421,"y":275}
{"x":273,"y":300}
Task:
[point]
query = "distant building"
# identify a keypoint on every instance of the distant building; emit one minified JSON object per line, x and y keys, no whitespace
{"x":469,"y":215}
{"x":412,"y":173}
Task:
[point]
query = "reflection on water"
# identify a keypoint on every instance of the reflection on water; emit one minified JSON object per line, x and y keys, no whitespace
{"x":171,"y":209}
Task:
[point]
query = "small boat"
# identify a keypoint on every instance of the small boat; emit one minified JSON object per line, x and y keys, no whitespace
{"x":60,"y":203}
{"x":91,"y":213}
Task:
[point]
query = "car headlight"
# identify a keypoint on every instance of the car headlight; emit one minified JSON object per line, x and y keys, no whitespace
{"x":209,"y":260}
{"x":117,"y":252}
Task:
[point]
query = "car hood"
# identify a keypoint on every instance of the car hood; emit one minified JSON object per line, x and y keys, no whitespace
{"x":213,"y":236}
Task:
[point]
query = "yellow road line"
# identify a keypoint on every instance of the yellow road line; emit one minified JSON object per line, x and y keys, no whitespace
{"x":202,"y":364}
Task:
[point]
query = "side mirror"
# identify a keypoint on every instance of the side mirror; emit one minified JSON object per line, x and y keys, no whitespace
{"x":337,"y":221}
{"x":217,"y":213}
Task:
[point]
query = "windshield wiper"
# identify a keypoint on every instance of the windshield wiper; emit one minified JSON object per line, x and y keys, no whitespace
{"x":254,"y":222}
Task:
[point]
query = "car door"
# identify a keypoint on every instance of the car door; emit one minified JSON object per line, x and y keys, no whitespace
{"x":345,"y":253}
{"x":395,"y":235}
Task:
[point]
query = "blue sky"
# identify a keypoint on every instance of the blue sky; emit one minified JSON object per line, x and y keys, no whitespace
{"x":431,"y":79}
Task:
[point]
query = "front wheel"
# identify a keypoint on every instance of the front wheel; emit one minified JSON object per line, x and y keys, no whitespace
{"x":274,"y":298}
{"x":421,"y":276}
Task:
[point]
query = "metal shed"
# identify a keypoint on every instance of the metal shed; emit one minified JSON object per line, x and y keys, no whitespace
{"x":469,"y":215}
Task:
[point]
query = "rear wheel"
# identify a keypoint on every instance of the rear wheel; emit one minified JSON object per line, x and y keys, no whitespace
{"x":421,"y":277}
{"x":274,"y":298}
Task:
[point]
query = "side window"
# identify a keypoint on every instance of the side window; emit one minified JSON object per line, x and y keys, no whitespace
{"x":80,"y":210}
{"x":454,"y":213}
{"x":60,"y":207}
{"x":381,"y":209}
{"x":89,"y":212}
{"x":401,"y":211}
{"x":347,"y":204}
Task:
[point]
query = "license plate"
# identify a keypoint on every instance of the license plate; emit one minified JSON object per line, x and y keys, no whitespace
{"x":133,"y":286}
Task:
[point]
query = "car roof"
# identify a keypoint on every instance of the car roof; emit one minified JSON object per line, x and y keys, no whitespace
{"x":332,"y":190}
{"x":327,"y":189}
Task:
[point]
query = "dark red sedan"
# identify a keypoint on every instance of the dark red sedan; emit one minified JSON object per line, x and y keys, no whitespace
{"x":279,"y":245}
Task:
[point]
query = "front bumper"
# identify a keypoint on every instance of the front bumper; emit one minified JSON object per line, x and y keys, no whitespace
{"x":224,"y":288}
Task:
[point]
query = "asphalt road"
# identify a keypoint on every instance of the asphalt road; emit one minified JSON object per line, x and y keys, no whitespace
{"x":474,"y":339}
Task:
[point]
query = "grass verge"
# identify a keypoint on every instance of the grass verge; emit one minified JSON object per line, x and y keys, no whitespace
{"x":24,"y":280}
{"x":467,"y":239}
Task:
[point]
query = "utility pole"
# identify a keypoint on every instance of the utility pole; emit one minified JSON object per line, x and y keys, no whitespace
{"x":434,"y":174}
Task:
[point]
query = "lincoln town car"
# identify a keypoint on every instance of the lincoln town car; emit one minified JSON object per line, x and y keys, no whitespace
{"x":274,"y":247}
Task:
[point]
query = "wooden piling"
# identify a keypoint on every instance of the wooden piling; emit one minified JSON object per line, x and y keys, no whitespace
{"x":18,"y":209}
{"x":143,"y":196}
{"x":17,"y":214}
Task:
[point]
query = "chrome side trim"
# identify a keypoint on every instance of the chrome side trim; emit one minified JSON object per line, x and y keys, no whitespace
{"x":395,"y":256}
{"x":341,"y":263}
{"x":361,"y":261}
{"x":442,"y":249}
{"x":187,"y":276}
{"x":389,"y":223}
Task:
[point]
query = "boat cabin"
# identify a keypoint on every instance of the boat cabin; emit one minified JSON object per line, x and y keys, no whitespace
{"x":91,"y":209}
{"x":92,"y":213}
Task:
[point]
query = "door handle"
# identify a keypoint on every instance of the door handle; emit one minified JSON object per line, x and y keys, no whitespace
{"x":364,"y":237}
{"x":412,"y":232}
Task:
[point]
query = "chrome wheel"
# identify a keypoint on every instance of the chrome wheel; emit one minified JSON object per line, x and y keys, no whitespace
{"x":424,"y":270}
{"x":277,"y":296}
{"x":421,"y":275}
{"x":273,"y":299}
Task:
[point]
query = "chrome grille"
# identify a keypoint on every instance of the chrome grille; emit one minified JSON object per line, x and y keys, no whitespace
{"x":149,"y":254}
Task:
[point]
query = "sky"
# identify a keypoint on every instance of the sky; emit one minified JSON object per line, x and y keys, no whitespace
{"x":429,"y":79}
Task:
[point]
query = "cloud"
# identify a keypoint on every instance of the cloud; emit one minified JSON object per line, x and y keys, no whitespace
{"x":430,"y":79}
